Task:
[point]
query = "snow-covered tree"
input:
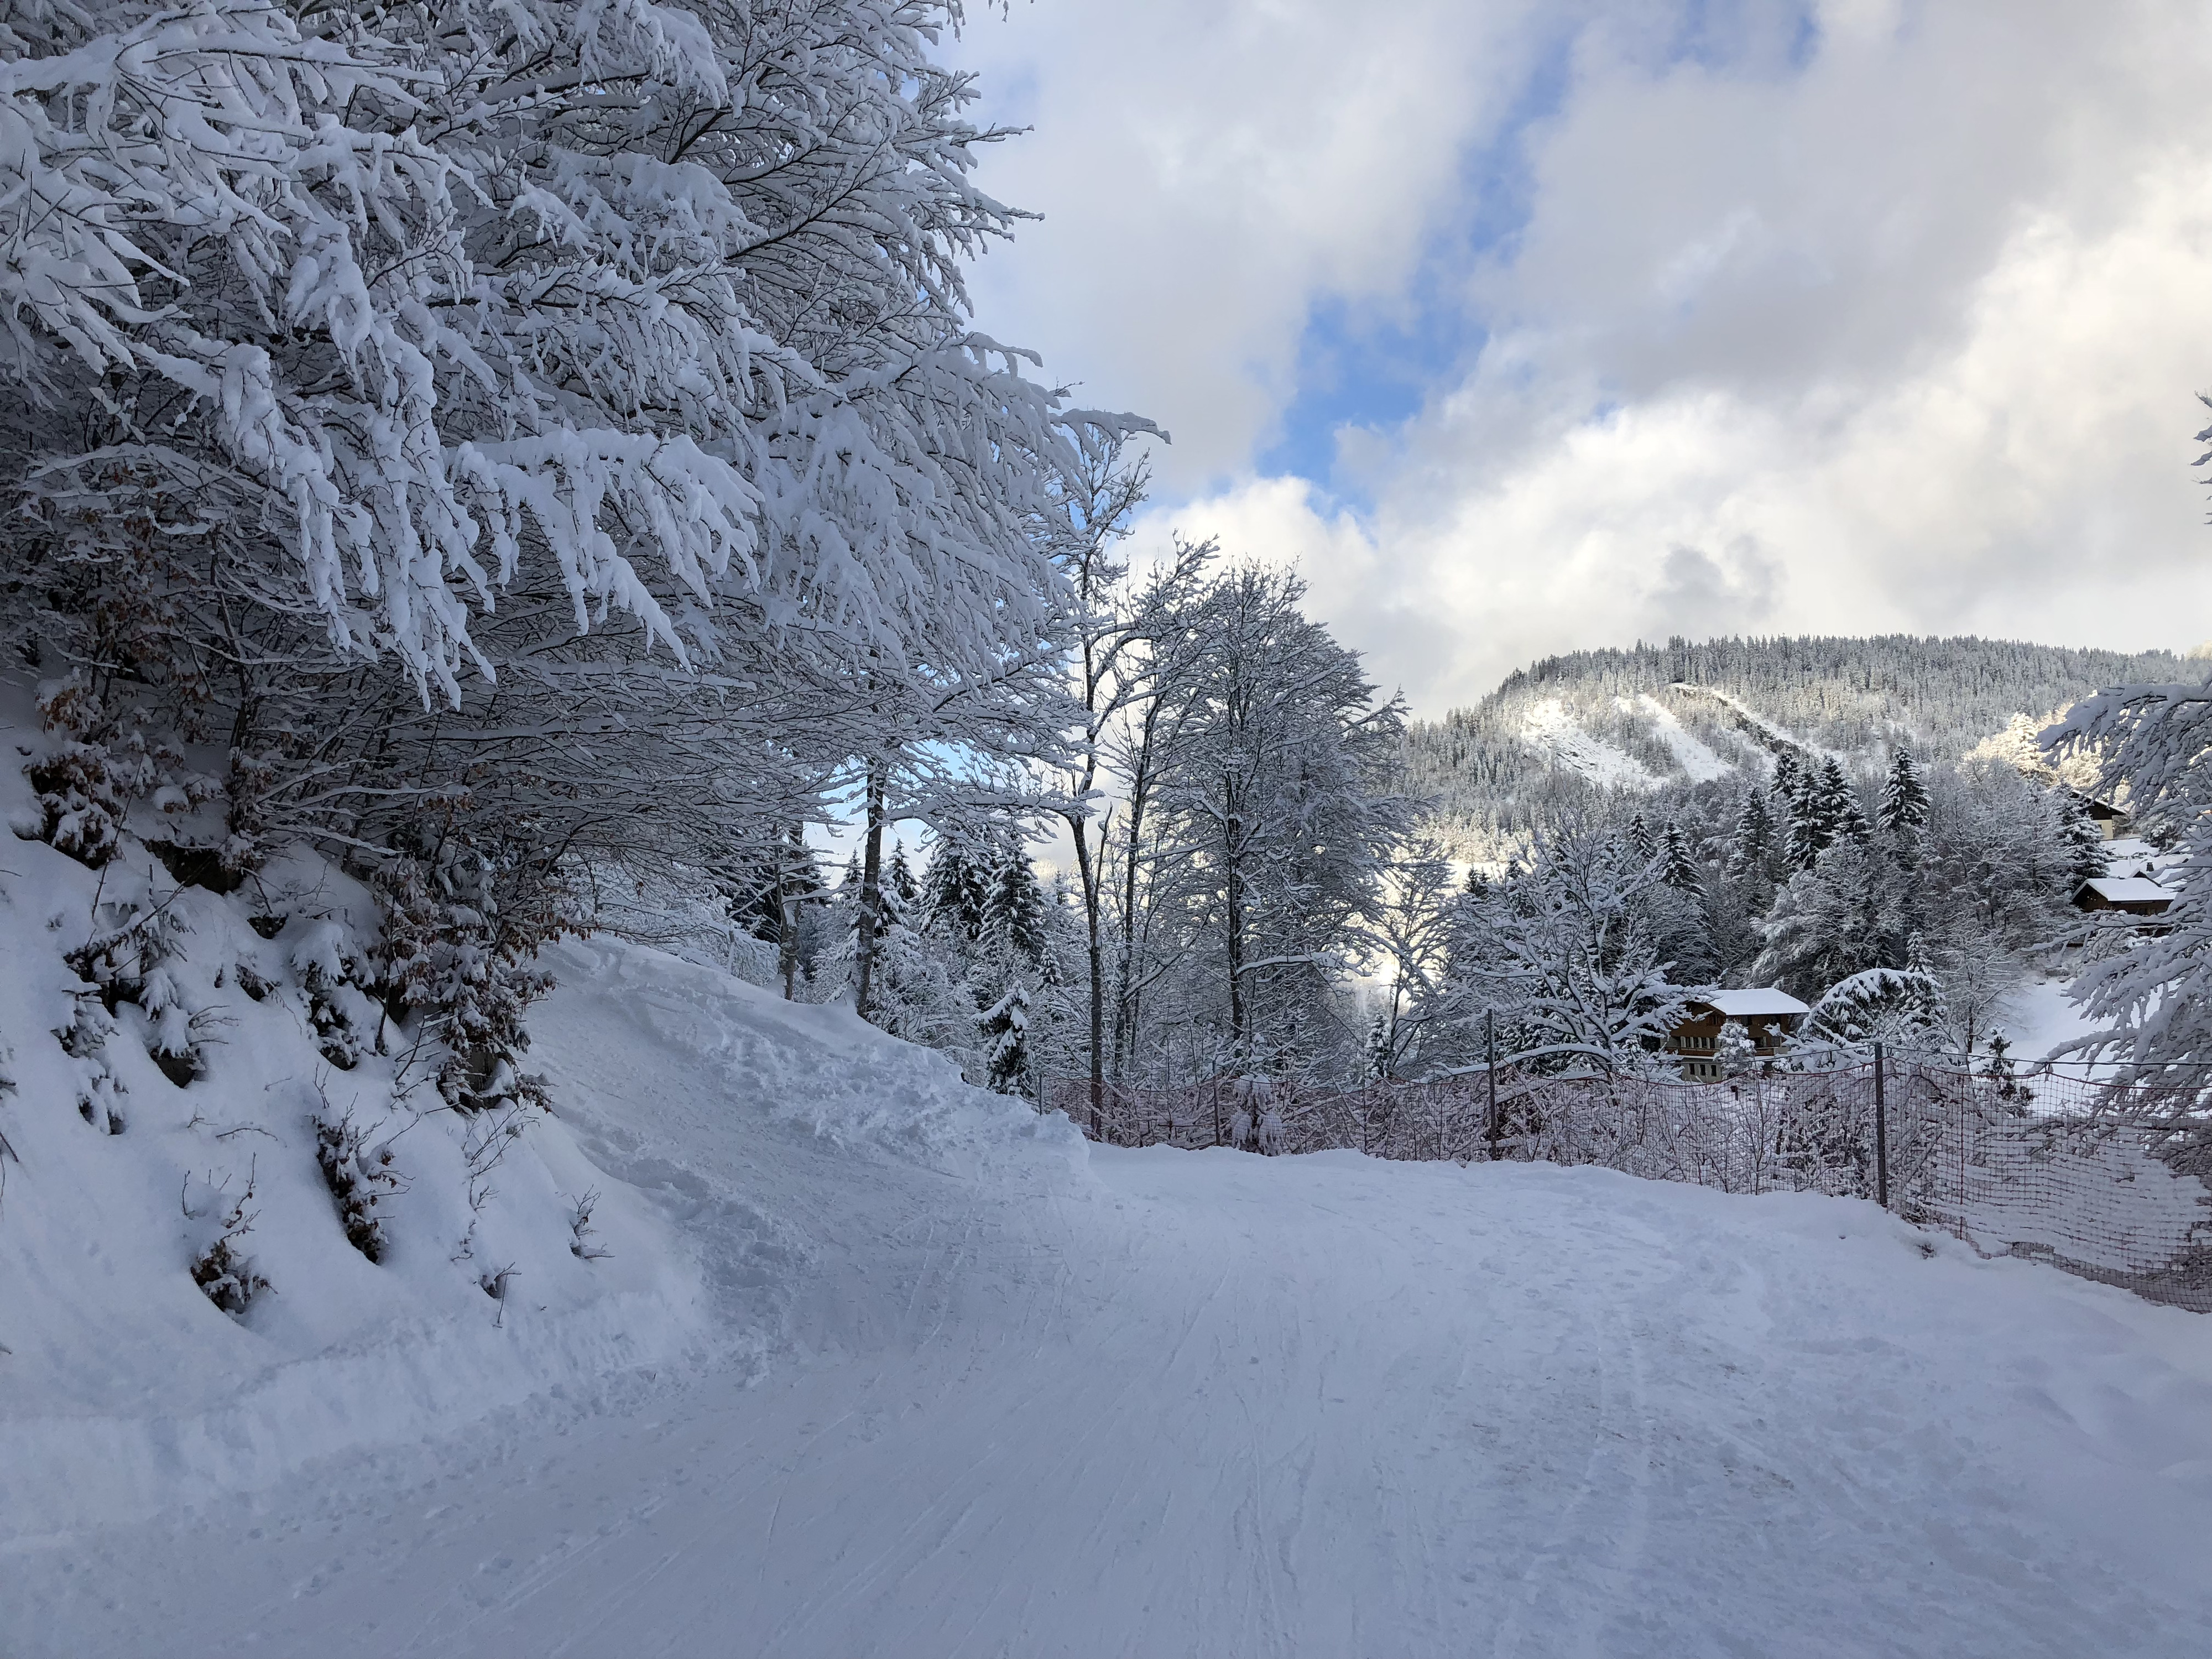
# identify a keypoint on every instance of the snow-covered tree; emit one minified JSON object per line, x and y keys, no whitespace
{"x":1005,"y":1034}
{"x":956,"y":889}
{"x":1278,"y":780}
{"x":1904,"y":810}
{"x":1562,"y":960}
{"x":1838,"y":918}
{"x":1902,"y":1007}
{"x":1013,"y":930}
{"x":553,"y":431}
{"x":2153,"y":1004}
{"x":1750,"y":848}
{"x":1678,"y":869}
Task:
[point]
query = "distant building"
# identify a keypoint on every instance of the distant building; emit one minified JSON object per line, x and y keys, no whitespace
{"x":1767,"y":1018}
{"x":2137,"y":896}
{"x":2112,"y":821}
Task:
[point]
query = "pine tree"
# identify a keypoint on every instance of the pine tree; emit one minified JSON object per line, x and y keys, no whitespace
{"x":1787,"y":781}
{"x":1013,"y":912}
{"x":1640,"y":837}
{"x":901,"y":892}
{"x":1754,"y":837}
{"x":1378,"y":1056}
{"x":1854,"y":826}
{"x":1005,"y":1032}
{"x":2084,"y":845}
{"x":1808,"y":837}
{"x":1904,"y":810}
{"x":1681,"y":872}
{"x":954,"y":893}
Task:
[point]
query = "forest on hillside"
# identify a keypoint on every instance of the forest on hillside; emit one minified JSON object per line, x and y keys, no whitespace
{"x":1498,"y":770}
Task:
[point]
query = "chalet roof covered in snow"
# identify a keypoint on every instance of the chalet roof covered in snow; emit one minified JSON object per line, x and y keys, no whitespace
{"x":2126,"y":889}
{"x":1754,"y":1004}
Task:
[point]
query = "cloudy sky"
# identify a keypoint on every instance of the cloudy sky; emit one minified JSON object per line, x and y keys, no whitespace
{"x":1524,"y":327}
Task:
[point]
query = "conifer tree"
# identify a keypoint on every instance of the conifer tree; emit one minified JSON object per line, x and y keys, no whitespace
{"x":1014,"y":920}
{"x":1005,"y":1032}
{"x":1786,"y":780}
{"x":1754,"y":837}
{"x":1853,"y":824}
{"x":1680,"y":871}
{"x":901,"y":892}
{"x":2086,"y":857}
{"x":1904,"y":810}
{"x":954,"y":892}
{"x":1808,"y":835}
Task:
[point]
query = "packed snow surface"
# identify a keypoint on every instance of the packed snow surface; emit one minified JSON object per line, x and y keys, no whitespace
{"x":1001,"y":1392}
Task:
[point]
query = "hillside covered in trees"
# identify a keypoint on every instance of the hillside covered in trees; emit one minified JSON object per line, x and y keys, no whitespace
{"x":1559,"y":734}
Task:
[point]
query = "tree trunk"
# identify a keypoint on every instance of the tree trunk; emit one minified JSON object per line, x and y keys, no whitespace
{"x":1088,"y":871}
{"x":871,"y":892}
{"x":1233,"y":924}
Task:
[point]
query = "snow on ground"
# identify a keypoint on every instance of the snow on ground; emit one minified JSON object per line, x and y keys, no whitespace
{"x":1551,"y":728}
{"x":122,"y":1388}
{"x":1696,"y":760}
{"x":1765,"y":730}
{"x":1025,"y":1397}
{"x":2038,"y":1015}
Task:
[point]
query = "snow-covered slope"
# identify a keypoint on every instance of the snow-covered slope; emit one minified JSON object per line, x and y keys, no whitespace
{"x":123,"y":1387}
{"x":997,"y":1393}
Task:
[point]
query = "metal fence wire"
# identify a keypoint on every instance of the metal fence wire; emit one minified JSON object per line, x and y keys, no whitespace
{"x":2091,"y":1176}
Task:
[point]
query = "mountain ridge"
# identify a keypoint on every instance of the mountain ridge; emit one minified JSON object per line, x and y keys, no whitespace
{"x":1557,"y":737}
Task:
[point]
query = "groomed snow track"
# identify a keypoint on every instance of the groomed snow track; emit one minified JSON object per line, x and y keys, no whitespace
{"x":1025,"y":1397}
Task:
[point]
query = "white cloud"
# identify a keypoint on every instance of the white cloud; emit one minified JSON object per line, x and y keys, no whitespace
{"x":1901,"y":336}
{"x":1205,"y":172}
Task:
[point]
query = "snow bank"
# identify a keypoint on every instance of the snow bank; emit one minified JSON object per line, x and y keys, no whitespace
{"x":124,"y":1389}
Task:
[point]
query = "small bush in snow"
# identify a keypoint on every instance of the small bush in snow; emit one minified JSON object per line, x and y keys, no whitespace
{"x":356,"y":1178}
{"x":87,"y":783}
{"x":222,"y":1271}
{"x":460,"y":929}
{"x":580,"y":1226}
{"x":126,"y":963}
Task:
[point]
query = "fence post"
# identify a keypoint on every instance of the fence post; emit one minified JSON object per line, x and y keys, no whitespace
{"x":1880,"y":1134}
{"x":1489,"y":1072}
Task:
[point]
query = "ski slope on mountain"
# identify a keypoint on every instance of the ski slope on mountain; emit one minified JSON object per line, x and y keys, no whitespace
{"x":980,"y":1388}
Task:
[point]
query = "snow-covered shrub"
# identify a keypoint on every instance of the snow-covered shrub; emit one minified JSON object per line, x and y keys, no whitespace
{"x":84,"y":791}
{"x":84,"y":1040}
{"x":358,"y":1178}
{"x":125,"y":961}
{"x":320,"y":957}
{"x":454,"y":961}
{"x":580,"y":1229}
{"x":94,"y":771}
{"x":223,"y":1271}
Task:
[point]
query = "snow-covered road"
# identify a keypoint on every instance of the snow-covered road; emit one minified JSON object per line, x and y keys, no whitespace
{"x":1210,"y":1403}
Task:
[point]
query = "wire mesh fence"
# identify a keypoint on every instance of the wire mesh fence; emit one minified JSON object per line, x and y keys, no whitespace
{"x":2088,"y":1175}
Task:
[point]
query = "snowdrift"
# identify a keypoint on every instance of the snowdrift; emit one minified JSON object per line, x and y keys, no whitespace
{"x":516,"y":1260}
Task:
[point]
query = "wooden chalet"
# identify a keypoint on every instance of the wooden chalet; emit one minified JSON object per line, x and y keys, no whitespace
{"x":2136,"y":895}
{"x":2112,"y":821}
{"x":1767,"y":1018}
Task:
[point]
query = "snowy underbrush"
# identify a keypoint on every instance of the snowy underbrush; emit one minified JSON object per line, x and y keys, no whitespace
{"x":240,"y":1226}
